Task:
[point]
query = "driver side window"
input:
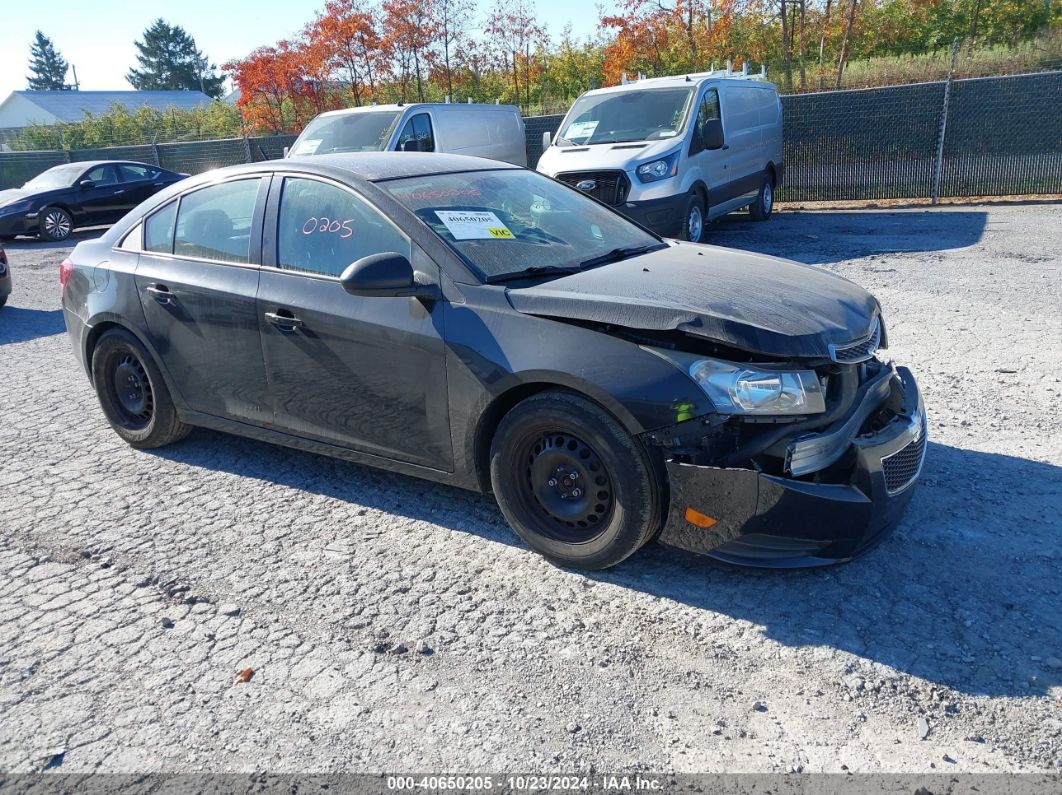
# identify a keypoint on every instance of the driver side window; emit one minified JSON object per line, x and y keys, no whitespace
{"x":417,"y":135}
{"x":102,"y":176}
{"x":706,"y":111}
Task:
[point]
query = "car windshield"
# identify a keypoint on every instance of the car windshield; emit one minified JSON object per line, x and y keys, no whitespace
{"x":648,"y":114}
{"x":511,"y":224}
{"x":58,"y":177}
{"x":351,"y":132}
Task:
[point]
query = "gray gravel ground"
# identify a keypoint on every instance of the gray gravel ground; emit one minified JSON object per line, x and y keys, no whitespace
{"x":395,"y":624}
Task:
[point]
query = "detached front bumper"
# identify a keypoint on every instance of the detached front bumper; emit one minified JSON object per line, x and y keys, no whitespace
{"x":749,"y":518}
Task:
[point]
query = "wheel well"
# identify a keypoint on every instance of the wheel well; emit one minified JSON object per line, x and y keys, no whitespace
{"x":700,"y":189}
{"x":773,"y":172}
{"x":500,"y":406}
{"x":94,"y":335}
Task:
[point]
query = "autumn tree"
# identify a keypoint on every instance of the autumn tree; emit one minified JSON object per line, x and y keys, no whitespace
{"x":47,"y":66}
{"x":515,"y":34}
{"x":451,"y":20}
{"x":411,"y":30}
{"x":350,"y":39}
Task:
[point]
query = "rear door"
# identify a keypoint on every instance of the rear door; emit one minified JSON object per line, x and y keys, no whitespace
{"x":197,"y":277}
{"x":367,"y":373}
{"x":140,"y":182}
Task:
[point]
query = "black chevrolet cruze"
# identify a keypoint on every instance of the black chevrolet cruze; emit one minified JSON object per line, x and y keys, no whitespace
{"x":481,"y":325}
{"x":92,"y":193}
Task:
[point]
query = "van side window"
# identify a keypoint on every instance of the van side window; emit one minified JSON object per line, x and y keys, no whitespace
{"x":417,"y":135}
{"x":706,"y":111}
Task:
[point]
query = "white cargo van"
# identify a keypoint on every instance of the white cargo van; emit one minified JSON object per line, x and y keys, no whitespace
{"x":492,"y":131}
{"x":674,"y":152}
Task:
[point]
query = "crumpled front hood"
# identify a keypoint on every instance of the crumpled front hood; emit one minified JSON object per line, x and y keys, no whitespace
{"x":753,"y":302}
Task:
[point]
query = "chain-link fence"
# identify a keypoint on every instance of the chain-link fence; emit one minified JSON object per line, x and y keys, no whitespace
{"x":187,"y":157}
{"x":992,"y":136}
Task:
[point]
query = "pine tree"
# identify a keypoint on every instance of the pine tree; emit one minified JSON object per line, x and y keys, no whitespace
{"x":169,"y":60}
{"x":47,"y":65}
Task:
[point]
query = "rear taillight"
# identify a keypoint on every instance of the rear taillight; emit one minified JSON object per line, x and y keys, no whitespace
{"x":66,"y":269}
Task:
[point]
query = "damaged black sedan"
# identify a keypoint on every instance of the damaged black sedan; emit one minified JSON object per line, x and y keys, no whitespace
{"x":481,"y":325}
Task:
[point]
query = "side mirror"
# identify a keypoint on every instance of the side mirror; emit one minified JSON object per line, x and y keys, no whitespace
{"x":712,"y":134}
{"x":411,"y":145}
{"x":86,"y":184}
{"x":286,"y":150}
{"x":547,"y":140}
{"x":385,"y":275}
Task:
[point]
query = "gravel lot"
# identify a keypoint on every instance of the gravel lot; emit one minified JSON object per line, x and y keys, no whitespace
{"x":397,"y":625}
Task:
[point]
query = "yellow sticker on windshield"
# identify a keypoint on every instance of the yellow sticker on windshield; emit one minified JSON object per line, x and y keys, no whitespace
{"x":503,"y":233}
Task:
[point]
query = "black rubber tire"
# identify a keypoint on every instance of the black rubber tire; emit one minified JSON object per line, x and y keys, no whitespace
{"x":161,"y":426}
{"x":634,"y":513}
{"x":693,"y":203}
{"x":761,"y":209}
{"x":3,"y":300}
{"x":55,"y":234}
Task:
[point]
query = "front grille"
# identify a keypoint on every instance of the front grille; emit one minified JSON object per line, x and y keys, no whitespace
{"x":858,"y":351}
{"x":902,"y":467}
{"x":610,"y":187}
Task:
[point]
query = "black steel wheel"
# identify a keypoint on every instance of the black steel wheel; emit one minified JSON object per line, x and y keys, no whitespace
{"x":55,"y":224}
{"x":132,"y":392}
{"x":572,"y":482}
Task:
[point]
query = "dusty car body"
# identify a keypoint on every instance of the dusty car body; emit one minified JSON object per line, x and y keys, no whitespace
{"x":723,"y":402}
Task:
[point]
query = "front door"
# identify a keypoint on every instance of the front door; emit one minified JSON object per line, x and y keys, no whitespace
{"x":712,"y":163}
{"x":198,"y":276}
{"x":104,"y":202}
{"x":358,"y":372}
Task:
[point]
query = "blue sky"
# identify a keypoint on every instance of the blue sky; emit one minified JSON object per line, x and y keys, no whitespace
{"x":97,"y":37}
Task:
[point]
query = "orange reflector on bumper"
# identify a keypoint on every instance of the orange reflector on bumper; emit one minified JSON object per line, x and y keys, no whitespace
{"x":699,"y":519}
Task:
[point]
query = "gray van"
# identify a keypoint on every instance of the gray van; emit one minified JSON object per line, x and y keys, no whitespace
{"x":674,"y":152}
{"x":491,"y":131}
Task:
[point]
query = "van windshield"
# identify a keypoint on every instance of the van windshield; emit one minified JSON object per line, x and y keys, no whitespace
{"x":352,"y":132}
{"x":647,"y":114}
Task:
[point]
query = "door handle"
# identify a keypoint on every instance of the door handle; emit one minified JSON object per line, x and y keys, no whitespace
{"x":119,"y":192}
{"x":285,"y":322}
{"x":160,"y":293}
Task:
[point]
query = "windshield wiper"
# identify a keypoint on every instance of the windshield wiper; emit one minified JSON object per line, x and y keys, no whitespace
{"x":618,"y":254}
{"x":534,"y":270}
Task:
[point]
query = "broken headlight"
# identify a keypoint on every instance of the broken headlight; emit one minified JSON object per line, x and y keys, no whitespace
{"x":741,"y":389}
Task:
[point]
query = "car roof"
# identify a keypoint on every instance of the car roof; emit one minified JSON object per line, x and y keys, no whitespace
{"x":93,"y":163}
{"x":420,"y":105}
{"x":391,"y":165}
{"x":683,"y":81}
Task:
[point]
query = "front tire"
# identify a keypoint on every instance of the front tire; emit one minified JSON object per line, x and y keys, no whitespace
{"x":572,"y":483}
{"x":693,"y":219}
{"x":132,"y":393}
{"x":54,"y":224}
{"x":761,"y":209}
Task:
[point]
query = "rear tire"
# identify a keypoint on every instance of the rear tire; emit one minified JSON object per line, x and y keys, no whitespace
{"x":693,"y":219}
{"x":572,"y":483}
{"x":132,"y":393}
{"x":761,"y":209}
{"x":54,"y":224}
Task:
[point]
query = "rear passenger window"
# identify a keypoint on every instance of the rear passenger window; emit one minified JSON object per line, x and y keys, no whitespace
{"x":137,"y":173}
{"x":215,"y":223}
{"x":158,"y":230}
{"x":324,"y":228}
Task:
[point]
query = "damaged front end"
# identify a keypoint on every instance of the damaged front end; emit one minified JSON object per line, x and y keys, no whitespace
{"x":803,"y":490}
